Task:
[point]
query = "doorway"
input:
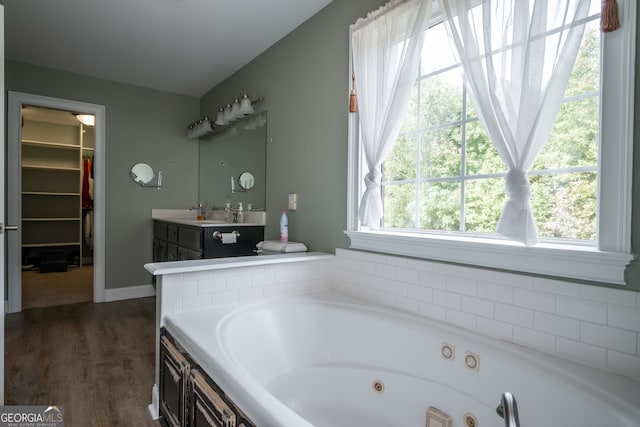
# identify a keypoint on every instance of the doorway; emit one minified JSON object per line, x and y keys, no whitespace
{"x":55,"y":183}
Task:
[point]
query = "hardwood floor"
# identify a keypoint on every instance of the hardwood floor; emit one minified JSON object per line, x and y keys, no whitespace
{"x":95,"y":360}
{"x":59,"y":288}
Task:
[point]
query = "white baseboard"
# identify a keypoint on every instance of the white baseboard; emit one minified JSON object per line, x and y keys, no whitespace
{"x":129,"y":292}
{"x":155,"y":404}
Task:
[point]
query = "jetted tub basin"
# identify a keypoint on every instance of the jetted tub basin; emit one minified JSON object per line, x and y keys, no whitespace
{"x":330,"y":360}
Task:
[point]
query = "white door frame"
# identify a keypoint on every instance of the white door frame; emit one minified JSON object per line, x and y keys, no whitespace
{"x":3,"y":199}
{"x":14,"y":125}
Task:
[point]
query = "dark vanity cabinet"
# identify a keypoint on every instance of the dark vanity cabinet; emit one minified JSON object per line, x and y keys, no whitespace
{"x":188,"y":396}
{"x":178,"y":242}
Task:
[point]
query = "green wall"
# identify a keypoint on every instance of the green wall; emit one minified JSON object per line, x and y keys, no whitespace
{"x":142,"y":125}
{"x":304,"y":78}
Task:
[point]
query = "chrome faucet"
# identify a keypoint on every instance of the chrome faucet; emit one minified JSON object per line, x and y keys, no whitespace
{"x":508,"y":409}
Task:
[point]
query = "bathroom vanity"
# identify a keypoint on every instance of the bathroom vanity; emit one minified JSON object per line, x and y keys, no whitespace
{"x":177,"y":238}
{"x":180,"y":242}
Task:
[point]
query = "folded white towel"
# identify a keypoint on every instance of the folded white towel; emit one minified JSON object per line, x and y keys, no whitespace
{"x":277,"y":246}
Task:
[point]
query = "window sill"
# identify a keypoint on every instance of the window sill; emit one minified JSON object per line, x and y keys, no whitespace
{"x":565,"y":261}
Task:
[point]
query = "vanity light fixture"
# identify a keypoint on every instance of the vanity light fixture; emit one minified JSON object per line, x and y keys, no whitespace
{"x":235,"y":109}
{"x":199,"y":128}
{"x":228,"y":114}
{"x":206,"y":126}
{"x":86,"y":119}
{"x":245,"y":105}
{"x":239,"y":109}
{"x":220,"y":121}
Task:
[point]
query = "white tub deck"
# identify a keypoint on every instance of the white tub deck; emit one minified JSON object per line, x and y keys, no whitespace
{"x":310,"y":360}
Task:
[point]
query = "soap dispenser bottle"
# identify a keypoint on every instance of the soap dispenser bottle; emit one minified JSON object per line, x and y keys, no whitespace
{"x":228,"y":216}
{"x":200,"y":215}
{"x":240,"y":213}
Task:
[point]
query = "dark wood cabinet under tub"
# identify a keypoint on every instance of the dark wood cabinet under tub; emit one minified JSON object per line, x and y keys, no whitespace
{"x":206,"y":406}
{"x":174,"y":374}
{"x":188,"y":396}
{"x":180,"y":242}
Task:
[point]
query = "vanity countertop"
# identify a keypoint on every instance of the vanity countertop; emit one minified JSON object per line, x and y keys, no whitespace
{"x":214,"y":218}
{"x":208,"y":223}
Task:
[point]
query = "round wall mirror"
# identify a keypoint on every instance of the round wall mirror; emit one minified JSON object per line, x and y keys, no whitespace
{"x":142,"y":173}
{"x":247,"y":180}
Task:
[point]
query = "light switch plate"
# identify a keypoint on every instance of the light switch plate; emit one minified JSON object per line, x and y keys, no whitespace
{"x":293,"y":202}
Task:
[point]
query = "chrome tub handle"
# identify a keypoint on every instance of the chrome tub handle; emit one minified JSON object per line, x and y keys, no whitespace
{"x":508,"y":409}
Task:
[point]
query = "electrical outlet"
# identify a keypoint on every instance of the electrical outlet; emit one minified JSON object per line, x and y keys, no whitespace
{"x":293,"y":202}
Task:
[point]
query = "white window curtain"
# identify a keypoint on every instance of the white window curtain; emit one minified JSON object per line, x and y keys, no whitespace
{"x":517,"y":57}
{"x":386,"y":47}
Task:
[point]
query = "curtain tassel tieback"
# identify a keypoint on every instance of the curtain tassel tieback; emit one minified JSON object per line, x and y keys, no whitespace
{"x":353,"y":98}
{"x":609,"y":20}
{"x":353,"y":101}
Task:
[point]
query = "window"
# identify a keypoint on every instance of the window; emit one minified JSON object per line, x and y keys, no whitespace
{"x":443,"y":183}
{"x":443,"y":166}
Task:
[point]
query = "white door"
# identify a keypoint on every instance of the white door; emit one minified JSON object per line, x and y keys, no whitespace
{"x":3,"y":227}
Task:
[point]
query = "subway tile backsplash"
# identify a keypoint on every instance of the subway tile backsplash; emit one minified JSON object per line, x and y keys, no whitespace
{"x":593,"y":325}
{"x":194,"y":290}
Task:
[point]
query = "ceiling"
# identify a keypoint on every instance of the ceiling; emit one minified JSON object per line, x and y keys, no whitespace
{"x":180,"y":46}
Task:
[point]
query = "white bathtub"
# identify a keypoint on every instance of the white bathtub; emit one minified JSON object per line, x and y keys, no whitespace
{"x":311,"y":360}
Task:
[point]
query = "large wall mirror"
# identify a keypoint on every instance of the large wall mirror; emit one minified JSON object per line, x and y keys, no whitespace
{"x":235,"y":152}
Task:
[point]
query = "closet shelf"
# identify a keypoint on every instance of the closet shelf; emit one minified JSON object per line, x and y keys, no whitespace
{"x":46,"y":193}
{"x":58,"y":168}
{"x":49,"y":245}
{"x":50,"y":144}
{"x":50,"y":219}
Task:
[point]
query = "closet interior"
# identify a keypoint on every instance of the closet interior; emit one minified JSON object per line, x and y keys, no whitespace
{"x":57,"y":202}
